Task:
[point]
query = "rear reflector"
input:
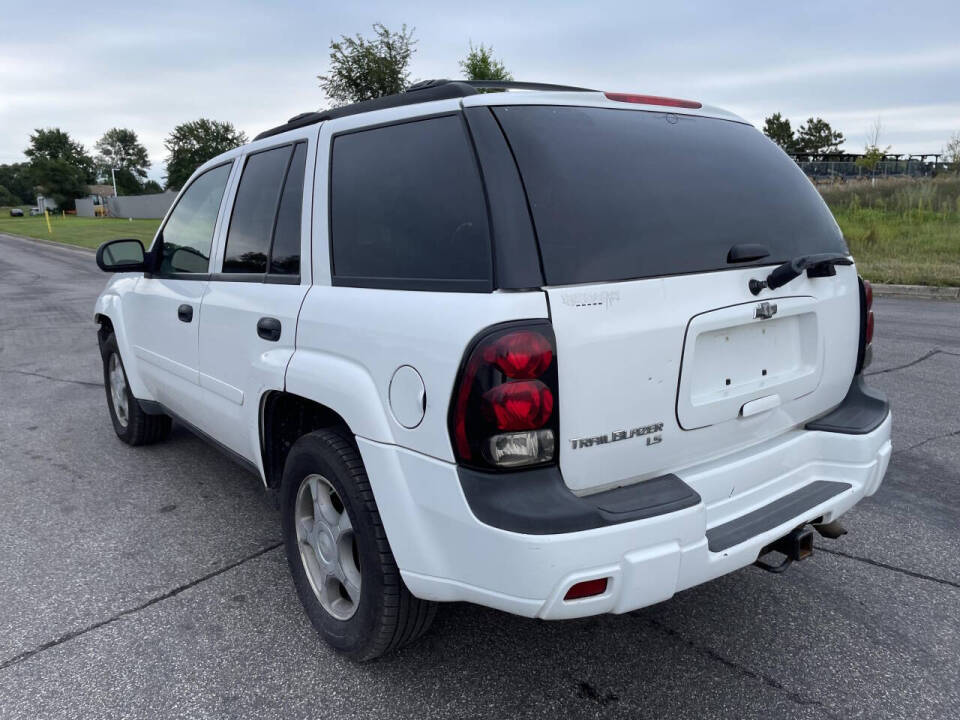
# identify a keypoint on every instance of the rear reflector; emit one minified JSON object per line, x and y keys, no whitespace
{"x":587,"y":588}
{"x":653,"y":100}
{"x":868,"y":332}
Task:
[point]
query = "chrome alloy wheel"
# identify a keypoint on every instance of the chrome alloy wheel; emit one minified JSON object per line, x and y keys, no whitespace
{"x":118,"y":389}
{"x":328,"y":547}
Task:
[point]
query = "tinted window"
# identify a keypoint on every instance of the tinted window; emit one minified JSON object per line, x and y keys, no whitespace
{"x":285,"y":256}
{"x":254,"y":210}
{"x":188,"y":234}
{"x":619,"y":194}
{"x":407,"y":208}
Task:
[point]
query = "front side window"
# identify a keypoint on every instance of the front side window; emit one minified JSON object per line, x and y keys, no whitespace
{"x":408,"y":208}
{"x":188,"y":233}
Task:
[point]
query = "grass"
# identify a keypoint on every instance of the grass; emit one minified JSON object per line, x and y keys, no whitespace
{"x":901,"y":230}
{"x":85,"y":232}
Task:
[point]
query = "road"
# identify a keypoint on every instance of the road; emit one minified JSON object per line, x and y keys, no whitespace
{"x":149,"y":582}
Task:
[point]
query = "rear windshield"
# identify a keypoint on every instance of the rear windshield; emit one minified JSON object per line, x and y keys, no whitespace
{"x":622,"y":194}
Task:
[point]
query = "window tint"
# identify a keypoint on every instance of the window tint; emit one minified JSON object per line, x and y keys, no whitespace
{"x":620,"y":194}
{"x":188,"y":232}
{"x":408,"y":209}
{"x":254,"y":210}
{"x":285,"y":256}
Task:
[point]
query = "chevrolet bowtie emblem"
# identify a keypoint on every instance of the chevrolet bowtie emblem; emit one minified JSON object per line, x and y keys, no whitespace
{"x":765,"y":311}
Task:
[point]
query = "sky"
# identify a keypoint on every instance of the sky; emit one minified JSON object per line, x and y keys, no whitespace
{"x":89,"y":67}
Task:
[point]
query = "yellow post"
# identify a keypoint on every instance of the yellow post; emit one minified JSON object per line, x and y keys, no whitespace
{"x":46,"y":214}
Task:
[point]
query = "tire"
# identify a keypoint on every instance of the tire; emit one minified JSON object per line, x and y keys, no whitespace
{"x":130,"y":422}
{"x":385,"y":616}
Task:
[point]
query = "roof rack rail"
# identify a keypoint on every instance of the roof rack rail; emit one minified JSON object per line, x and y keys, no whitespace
{"x":500,"y":85}
{"x":417,"y":93}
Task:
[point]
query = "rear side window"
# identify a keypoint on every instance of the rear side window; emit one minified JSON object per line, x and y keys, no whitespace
{"x":623,"y":194}
{"x":285,"y":255}
{"x":188,"y":232}
{"x":254,"y":211}
{"x":407,"y":209}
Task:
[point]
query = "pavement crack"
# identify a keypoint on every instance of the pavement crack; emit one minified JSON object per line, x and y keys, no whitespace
{"x":48,"y":377}
{"x":951,"y":434}
{"x":894,"y":568}
{"x":925,"y":356}
{"x":27,"y":654}
{"x":763,"y":678}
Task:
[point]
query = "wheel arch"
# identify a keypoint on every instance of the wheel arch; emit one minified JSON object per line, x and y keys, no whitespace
{"x":108,"y":315}
{"x":284,"y":418}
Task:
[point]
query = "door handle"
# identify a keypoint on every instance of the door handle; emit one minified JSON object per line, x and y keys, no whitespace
{"x":269,"y":328}
{"x":185,"y":313}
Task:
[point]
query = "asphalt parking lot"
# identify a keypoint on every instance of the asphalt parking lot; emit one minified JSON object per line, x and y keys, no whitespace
{"x":150,"y":582}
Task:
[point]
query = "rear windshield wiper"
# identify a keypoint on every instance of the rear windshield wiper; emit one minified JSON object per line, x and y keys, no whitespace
{"x":821,"y":265}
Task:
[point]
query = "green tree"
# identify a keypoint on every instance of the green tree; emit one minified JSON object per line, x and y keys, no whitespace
{"x":193,"y":143}
{"x":872,"y":154}
{"x":120,"y":151}
{"x":480,"y":64}
{"x":15,"y":177}
{"x":815,"y":137}
{"x":777,"y":128}
{"x":362,"y":68}
{"x":151,"y":186}
{"x":55,"y":144}
{"x":7,"y":198}
{"x":60,"y":168}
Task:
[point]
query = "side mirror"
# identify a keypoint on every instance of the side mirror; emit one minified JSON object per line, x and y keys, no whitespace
{"x":121,"y":256}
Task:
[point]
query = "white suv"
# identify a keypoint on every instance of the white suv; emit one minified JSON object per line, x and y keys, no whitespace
{"x":559,"y":352}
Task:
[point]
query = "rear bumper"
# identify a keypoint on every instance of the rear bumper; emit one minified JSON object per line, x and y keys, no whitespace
{"x":446,"y":553}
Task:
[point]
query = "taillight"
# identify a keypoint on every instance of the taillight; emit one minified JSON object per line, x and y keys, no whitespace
{"x":866,"y":324}
{"x":653,"y":100}
{"x":503,"y":410}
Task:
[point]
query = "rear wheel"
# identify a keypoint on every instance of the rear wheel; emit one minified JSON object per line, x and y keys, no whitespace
{"x":342,"y":566}
{"x":130,"y":422}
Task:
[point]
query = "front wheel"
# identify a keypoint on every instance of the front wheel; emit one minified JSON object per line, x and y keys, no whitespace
{"x":130,"y":422}
{"x":341,"y":562}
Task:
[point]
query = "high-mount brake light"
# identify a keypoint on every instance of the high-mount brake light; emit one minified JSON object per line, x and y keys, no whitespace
{"x":653,"y":100}
{"x":502,"y":414}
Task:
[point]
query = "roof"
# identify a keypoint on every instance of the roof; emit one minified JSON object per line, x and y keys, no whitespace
{"x":421,"y":92}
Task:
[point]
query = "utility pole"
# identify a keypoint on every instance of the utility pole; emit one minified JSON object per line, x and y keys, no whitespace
{"x":113,"y":174}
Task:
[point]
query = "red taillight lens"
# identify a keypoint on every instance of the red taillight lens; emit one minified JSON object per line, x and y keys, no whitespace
{"x":653,"y":100}
{"x":523,"y":405}
{"x":520,"y":355}
{"x":868,"y":331}
{"x":587,"y":588}
{"x":502,"y":410}
{"x":868,"y":294}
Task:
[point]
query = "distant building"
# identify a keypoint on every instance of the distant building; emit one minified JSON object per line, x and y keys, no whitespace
{"x":95,"y":203}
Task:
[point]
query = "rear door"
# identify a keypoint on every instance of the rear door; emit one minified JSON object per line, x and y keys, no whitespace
{"x":249,"y":315}
{"x":648,"y":225}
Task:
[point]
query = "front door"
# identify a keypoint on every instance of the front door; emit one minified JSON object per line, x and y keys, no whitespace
{"x":164,"y":309}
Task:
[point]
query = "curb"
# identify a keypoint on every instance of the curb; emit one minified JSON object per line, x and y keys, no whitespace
{"x":917,"y":291}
